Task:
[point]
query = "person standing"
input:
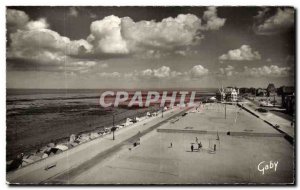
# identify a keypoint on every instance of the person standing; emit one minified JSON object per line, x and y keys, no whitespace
{"x":192,"y":148}
{"x":199,"y":146}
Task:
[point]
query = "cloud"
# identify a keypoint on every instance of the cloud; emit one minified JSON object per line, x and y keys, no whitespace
{"x":261,"y":14}
{"x":34,"y":46}
{"x":32,"y":42}
{"x":268,"y":71}
{"x":228,"y":71}
{"x":162,"y":72}
{"x":281,"y":21}
{"x":213,"y":22}
{"x":110,"y":75}
{"x":198,"y":71}
{"x":185,"y":52}
{"x":264,"y":71}
{"x":73,"y":12}
{"x":28,"y":42}
{"x":53,"y":63}
{"x":76,"y":67}
{"x":244,"y":53}
{"x":33,"y":36}
{"x":170,"y":33}
{"x":152,"y":54}
{"x":106,"y":36}
{"x":115,"y":35}
{"x":16,"y":19}
{"x":36,"y":25}
{"x":19,"y":20}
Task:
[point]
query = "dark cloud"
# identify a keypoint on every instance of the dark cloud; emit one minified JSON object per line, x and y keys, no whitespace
{"x":280,"y":21}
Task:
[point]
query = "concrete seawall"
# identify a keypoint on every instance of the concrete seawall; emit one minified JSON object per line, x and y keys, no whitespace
{"x":221,"y":133}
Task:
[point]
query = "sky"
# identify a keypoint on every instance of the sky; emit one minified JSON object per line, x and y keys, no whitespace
{"x":149,"y":47}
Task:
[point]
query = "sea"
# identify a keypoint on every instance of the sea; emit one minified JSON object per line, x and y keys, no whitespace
{"x":36,"y":117}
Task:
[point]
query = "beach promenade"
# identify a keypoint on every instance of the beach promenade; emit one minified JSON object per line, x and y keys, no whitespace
{"x":238,"y":148}
{"x":79,"y":157}
{"x":282,"y":124}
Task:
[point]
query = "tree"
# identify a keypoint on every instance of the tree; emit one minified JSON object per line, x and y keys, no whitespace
{"x":271,"y":88}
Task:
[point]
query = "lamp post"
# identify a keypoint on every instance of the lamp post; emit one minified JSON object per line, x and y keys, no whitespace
{"x":113,"y":129}
{"x":225,"y":110}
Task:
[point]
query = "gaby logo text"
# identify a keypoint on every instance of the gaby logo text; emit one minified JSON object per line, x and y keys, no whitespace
{"x":265,"y":166}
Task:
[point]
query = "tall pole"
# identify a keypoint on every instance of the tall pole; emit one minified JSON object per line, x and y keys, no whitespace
{"x":113,"y":120}
{"x":225,"y":110}
{"x":113,"y":127}
{"x":162,"y":112}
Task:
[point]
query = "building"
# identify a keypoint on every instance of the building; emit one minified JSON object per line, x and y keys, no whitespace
{"x":290,"y":104}
{"x":244,"y":90}
{"x":252,"y":91}
{"x":285,"y":90}
{"x":271,"y":90}
{"x":221,"y":96}
{"x":261,"y":92}
{"x":231,"y":94}
{"x":247,"y":91}
{"x":288,"y":100}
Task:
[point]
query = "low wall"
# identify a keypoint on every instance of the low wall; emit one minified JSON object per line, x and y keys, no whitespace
{"x":222,"y":132}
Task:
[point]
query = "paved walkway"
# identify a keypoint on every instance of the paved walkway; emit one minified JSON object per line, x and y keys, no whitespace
{"x":284,"y":124}
{"x":236,"y":158}
{"x":73,"y":158}
{"x":124,"y":137}
{"x":155,"y":161}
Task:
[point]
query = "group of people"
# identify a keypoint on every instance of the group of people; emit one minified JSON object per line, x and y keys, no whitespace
{"x":199,"y":147}
{"x":198,"y":143}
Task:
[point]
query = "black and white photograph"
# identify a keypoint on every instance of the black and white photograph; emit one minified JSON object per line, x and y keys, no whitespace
{"x":150,"y":95}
